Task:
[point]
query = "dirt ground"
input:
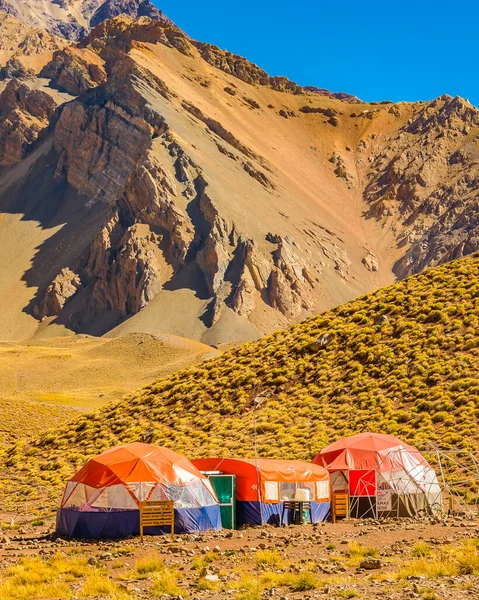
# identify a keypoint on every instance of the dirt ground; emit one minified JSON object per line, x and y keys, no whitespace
{"x":407,"y":559}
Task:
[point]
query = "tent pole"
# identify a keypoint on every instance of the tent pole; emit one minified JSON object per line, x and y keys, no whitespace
{"x":258,"y":483}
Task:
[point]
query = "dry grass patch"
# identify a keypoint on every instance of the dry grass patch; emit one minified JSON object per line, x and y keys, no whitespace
{"x":357,"y":553}
{"x":448,"y":561}
{"x":268,"y":557}
{"x":251,"y":587}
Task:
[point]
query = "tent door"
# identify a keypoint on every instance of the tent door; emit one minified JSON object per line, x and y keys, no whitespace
{"x":225,"y":490}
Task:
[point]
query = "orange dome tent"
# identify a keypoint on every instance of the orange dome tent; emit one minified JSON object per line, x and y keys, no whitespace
{"x":263,"y":484}
{"x":382,"y":475}
{"x":102,"y":499}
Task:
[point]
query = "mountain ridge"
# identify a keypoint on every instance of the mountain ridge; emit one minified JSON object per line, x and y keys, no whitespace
{"x":189,"y":178}
{"x":73,"y":19}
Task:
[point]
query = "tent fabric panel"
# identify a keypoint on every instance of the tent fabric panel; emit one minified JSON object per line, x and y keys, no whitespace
{"x":128,"y":496}
{"x":95,"y":474}
{"x":369,"y":451}
{"x":271,"y":491}
{"x":323,"y":493}
{"x":248,"y":512}
{"x":97,"y":525}
{"x":362,"y":482}
{"x":190,"y":520}
{"x":268,"y":470}
{"x":120,"y":524}
{"x":92,"y":499}
{"x":137,"y":462}
{"x":321,"y":511}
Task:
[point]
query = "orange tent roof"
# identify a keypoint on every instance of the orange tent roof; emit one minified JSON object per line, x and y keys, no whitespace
{"x":134,"y":463}
{"x":248,"y":471}
{"x":269,"y":469}
{"x":374,"y":451}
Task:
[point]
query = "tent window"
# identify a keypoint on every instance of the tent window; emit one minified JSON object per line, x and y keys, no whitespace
{"x":271,"y":491}
{"x":339,"y":482}
{"x":322,"y":490}
{"x":289,"y":490}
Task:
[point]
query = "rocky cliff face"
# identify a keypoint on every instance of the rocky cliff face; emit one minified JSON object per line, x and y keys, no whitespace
{"x":426,"y":181}
{"x":24,"y":114}
{"x":205,"y":178}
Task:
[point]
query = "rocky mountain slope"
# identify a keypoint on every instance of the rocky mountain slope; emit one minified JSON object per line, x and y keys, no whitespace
{"x":151,"y":183}
{"x":24,"y":49}
{"x":73,"y":19}
{"x":403,"y":360}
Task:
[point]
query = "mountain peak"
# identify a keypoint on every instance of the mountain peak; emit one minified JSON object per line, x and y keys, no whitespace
{"x":73,"y":19}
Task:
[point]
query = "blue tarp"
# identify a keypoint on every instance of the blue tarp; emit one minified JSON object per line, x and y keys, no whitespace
{"x":122,"y":523}
{"x":258,"y":513}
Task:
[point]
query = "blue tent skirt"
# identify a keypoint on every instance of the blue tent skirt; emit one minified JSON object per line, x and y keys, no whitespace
{"x":262,"y":513}
{"x":123,"y":523}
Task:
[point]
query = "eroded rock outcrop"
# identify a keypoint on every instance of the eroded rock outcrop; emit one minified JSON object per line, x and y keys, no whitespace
{"x":20,"y":40}
{"x":122,"y":32}
{"x":370,"y":261}
{"x":150,"y":192}
{"x":215,"y":238}
{"x":15,"y":69}
{"x":125,"y":270}
{"x":65,"y":285}
{"x":99,"y":148}
{"x":290,"y":283}
{"x":24,"y":114}
{"x":340,"y":168}
{"x":75,"y":70}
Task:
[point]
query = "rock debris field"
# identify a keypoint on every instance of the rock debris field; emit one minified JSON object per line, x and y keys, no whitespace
{"x":367,"y":559}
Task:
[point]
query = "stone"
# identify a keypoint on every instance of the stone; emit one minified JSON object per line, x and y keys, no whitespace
{"x":321,"y":342}
{"x":371,"y":563}
{"x":370,"y":261}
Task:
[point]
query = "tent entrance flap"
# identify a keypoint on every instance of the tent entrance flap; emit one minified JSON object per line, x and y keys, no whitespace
{"x":225,"y":490}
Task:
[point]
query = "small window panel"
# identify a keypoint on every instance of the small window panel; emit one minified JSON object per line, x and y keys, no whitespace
{"x":322,"y":490}
{"x":271,"y":491}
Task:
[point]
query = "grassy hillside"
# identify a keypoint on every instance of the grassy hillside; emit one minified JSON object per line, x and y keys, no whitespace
{"x":414,"y":374}
{"x":45,"y":383}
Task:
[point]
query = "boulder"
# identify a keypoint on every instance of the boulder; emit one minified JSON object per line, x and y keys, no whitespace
{"x":371,"y":262}
{"x":370,"y":563}
{"x":321,"y":342}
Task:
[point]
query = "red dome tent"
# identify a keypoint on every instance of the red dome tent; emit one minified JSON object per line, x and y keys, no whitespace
{"x":382,"y":475}
{"x":263,"y":484}
{"x":102,"y":499}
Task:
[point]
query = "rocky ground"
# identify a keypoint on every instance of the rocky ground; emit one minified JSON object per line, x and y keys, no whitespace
{"x":395,"y":559}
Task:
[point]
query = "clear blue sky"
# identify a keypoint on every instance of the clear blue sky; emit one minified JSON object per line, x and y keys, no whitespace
{"x":376,"y":50}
